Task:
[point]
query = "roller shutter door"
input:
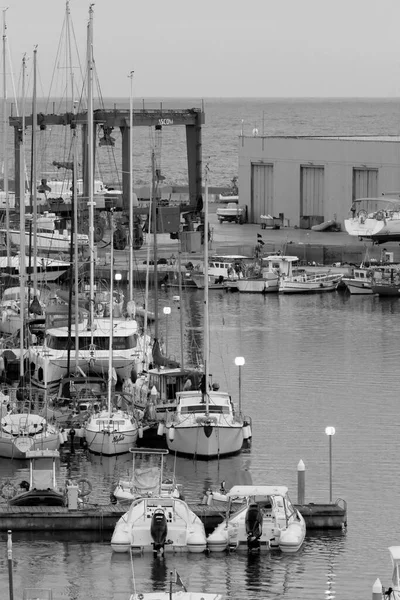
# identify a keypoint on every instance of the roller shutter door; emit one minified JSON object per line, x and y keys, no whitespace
{"x":311,"y":196}
{"x":262,"y":191}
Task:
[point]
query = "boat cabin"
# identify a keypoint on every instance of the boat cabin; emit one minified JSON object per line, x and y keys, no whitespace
{"x":193,"y":402}
{"x":280,"y":264}
{"x":169,"y":382}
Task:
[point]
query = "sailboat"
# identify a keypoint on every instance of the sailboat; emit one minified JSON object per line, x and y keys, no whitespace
{"x":49,"y":362}
{"x":111,"y":431}
{"x":205,"y":423}
{"x":24,"y":431}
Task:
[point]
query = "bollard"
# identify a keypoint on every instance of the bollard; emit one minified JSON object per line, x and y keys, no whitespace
{"x":301,"y":483}
{"x":377,"y":590}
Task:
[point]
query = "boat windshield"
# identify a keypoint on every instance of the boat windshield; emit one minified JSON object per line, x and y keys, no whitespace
{"x":101,"y":343}
{"x":200,"y":408}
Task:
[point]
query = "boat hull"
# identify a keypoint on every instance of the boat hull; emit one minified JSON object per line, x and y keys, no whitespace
{"x":388,"y":290}
{"x":197,"y":441}
{"x":355,"y":286}
{"x":11,"y":447}
{"x":110,"y":433}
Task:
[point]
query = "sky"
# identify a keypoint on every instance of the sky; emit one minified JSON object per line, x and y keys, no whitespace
{"x":218,"y":48}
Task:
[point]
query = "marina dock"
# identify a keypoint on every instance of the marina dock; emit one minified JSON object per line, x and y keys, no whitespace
{"x":104,"y":517}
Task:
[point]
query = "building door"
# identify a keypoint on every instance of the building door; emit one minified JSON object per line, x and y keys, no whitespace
{"x":311,"y":196}
{"x":365,"y":183}
{"x":262,"y":192}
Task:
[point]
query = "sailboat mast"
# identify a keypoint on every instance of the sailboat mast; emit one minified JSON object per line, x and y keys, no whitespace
{"x":90,"y":155}
{"x":34,"y":173}
{"x":22,"y":267}
{"x":153,"y":201}
{"x":131,"y":188}
{"x":75,"y":238}
{"x":5,"y":129}
{"x":111,"y":336}
{"x":206,"y":319}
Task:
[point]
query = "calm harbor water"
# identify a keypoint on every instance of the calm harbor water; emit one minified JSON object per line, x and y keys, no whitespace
{"x":310,"y":362}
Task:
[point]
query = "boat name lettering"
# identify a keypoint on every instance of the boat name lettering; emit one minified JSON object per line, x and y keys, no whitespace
{"x":165,"y":121}
{"x":118,"y":438}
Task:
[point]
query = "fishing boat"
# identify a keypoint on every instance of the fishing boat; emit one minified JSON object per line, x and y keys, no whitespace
{"x":377,"y":219}
{"x":42,"y":488}
{"x":300,"y":280}
{"x":147,"y":477}
{"x":268,"y":520}
{"x":221,"y":269}
{"x":159,"y":524}
{"x":22,"y":432}
{"x":205,"y":423}
{"x":262,"y":276}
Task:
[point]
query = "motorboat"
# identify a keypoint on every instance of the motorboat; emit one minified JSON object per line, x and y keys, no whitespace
{"x":393,"y":592}
{"x":147,"y":477}
{"x":268,"y":520}
{"x":159,"y":524}
{"x":206,"y":426}
{"x":377,"y":219}
{"x":360,"y":281}
{"x":177,"y":591}
{"x":22,"y":432}
{"x":42,"y":489}
{"x":262,"y":276}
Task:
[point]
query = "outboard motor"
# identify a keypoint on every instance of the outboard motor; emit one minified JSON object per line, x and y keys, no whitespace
{"x":253,"y":524}
{"x":159,"y":530}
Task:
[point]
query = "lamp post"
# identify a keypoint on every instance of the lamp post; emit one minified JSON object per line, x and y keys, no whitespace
{"x":239,"y":362}
{"x":330,"y":432}
{"x":166,"y":311}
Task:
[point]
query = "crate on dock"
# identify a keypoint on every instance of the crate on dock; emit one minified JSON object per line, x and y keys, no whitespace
{"x":268,"y":222}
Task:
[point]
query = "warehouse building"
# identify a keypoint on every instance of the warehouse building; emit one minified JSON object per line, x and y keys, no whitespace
{"x":310,"y":180}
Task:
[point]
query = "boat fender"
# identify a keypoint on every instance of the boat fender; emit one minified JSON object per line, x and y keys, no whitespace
{"x":2,"y":365}
{"x":140,"y":432}
{"x":85,"y":487}
{"x":171,"y":433}
{"x":160,"y":429}
{"x":8,"y":490}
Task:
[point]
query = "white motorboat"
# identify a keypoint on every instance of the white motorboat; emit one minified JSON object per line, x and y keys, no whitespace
{"x":53,"y":235}
{"x":375,"y":218}
{"x":159,"y":524}
{"x":147,"y":478}
{"x":176,"y":594}
{"x":392,"y":592}
{"x":268,"y":520}
{"x":360,"y":281}
{"x":21,"y":432}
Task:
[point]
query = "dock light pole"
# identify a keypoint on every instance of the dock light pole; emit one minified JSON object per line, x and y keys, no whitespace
{"x":239,"y":362}
{"x":330,"y":432}
{"x":166,"y":311}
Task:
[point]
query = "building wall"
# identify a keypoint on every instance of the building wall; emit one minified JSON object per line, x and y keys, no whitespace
{"x":338,"y":157}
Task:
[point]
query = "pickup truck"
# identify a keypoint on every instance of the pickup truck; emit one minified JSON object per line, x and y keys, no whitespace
{"x":232,"y":212}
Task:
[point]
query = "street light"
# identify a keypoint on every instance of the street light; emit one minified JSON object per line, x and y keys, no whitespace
{"x":166,"y":311}
{"x":330,"y":432}
{"x":239,"y":362}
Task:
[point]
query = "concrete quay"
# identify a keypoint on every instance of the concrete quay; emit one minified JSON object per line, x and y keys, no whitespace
{"x":311,"y":247}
